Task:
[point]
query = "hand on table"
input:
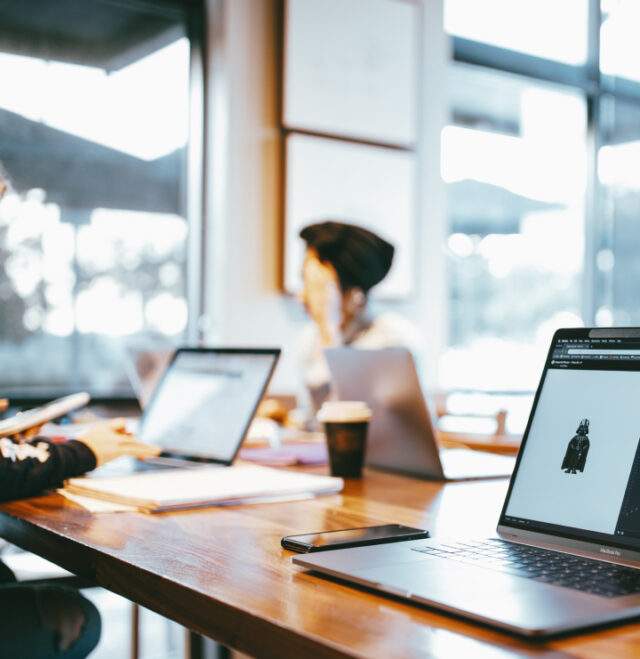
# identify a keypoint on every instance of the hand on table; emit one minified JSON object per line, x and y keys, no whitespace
{"x":270,"y":408}
{"x":109,"y":440}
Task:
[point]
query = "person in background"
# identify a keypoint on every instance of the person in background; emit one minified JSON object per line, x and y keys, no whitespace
{"x":46,"y":621}
{"x":342,"y":263}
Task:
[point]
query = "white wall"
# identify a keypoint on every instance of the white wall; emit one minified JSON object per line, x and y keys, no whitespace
{"x":243,"y":303}
{"x":242,"y":300}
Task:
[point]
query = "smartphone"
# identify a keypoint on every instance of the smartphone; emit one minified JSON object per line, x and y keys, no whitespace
{"x":366,"y":535}
{"x":38,"y":416}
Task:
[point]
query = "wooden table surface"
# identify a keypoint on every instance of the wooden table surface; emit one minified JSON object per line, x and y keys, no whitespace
{"x":222,"y":572}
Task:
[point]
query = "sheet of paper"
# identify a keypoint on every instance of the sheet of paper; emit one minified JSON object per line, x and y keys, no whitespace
{"x":97,"y":505}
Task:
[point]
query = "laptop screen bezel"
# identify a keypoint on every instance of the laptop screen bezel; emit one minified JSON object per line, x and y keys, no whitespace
{"x":562,"y":536}
{"x":273,"y":352}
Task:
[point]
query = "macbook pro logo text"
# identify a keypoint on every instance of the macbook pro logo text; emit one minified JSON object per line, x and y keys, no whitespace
{"x":612,"y":552}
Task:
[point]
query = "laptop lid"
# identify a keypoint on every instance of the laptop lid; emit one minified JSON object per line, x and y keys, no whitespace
{"x":206,"y":400}
{"x":576,"y":483}
{"x":401,"y":433}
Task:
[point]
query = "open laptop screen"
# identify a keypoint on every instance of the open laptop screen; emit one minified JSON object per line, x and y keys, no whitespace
{"x":206,"y":400}
{"x":578,"y":473}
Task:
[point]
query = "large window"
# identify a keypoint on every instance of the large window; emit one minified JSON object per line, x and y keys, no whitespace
{"x":94,"y":235}
{"x":514,"y":159}
{"x":540,"y":160}
{"x":544,"y":28}
{"x":618,"y":245}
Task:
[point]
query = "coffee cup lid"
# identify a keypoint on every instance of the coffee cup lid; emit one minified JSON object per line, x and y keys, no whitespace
{"x":344,"y":411}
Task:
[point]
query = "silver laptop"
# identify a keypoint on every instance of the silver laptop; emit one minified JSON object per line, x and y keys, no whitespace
{"x":402,"y":437}
{"x":203,"y":405}
{"x":567,"y":551}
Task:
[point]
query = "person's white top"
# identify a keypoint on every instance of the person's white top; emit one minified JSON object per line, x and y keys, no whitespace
{"x":388,"y":330}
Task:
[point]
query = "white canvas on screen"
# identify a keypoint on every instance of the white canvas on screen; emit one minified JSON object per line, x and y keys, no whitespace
{"x":365,"y":185}
{"x":590,"y":500}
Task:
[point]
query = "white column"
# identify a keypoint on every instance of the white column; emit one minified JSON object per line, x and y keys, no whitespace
{"x":432,"y":214}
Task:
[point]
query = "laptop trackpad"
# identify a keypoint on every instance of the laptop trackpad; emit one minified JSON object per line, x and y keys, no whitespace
{"x":485,"y":594}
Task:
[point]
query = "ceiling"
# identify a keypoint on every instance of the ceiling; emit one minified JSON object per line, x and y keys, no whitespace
{"x":108,"y":34}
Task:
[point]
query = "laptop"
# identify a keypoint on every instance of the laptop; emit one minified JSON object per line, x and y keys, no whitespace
{"x":203,"y":405}
{"x":402,"y":437}
{"x":145,"y":368}
{"x":566,"y":555}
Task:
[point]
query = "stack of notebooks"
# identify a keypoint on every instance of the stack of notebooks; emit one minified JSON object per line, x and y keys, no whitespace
{"x":175,"y":489}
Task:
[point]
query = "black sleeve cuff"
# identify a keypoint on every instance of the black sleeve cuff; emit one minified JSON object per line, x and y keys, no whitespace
{"x":82,"y":459}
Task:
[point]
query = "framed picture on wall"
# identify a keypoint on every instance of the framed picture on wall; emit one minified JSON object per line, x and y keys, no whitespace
{"x":371,"y":186}
{"x":350,"y":68}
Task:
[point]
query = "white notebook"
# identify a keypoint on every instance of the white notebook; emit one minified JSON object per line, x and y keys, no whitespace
{"x":171,"y":489}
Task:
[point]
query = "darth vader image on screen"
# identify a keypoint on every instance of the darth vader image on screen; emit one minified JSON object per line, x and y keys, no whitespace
{"x":576,"y":456}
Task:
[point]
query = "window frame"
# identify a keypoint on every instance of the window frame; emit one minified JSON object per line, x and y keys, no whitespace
{"x":597,"y":89}
{"x":194,"y":12}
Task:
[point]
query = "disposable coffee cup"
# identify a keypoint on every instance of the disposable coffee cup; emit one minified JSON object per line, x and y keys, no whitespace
{"x":346,"y":424}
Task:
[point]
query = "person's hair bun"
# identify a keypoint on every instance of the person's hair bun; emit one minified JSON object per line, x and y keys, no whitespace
{"x":361,"y":258}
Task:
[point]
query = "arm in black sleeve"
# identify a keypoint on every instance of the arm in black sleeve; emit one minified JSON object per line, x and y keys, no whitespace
{"x":29,"y":468}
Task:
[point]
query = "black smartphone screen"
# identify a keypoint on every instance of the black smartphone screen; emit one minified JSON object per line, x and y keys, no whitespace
{"x":367,"y":535}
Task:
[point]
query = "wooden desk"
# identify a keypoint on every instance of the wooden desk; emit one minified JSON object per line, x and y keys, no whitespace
{"x":502,"y":444}
{"x":222,"y":572}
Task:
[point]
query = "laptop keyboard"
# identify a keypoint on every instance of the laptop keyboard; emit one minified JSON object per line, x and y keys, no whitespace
{"x":553,"y":567}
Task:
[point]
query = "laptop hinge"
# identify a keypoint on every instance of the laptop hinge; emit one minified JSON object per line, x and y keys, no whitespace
{"x":595,"y":551}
